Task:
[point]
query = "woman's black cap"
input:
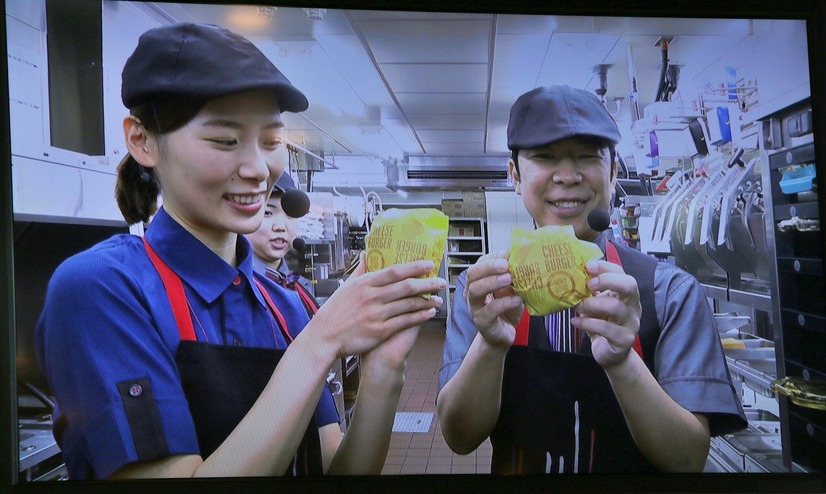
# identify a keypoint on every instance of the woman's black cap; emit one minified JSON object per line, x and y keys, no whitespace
{"x":201,"y":60}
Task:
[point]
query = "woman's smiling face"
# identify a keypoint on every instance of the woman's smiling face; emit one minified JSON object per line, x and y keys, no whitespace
{"x":274,"y":238}
{"x":218,"y":169}
{"x":562,"y":182}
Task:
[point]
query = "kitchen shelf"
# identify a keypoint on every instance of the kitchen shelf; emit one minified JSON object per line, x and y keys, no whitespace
{"x":716,"y":292}
{"x":466,"y":243}
{"x":760,"y":301}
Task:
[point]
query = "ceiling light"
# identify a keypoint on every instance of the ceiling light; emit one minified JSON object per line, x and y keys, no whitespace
{"x":266,"y":11}
{"x":315,"y":14}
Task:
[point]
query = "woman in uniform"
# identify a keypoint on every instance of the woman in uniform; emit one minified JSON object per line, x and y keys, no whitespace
{"x":168,"y":357}
{"x":275,"y":237}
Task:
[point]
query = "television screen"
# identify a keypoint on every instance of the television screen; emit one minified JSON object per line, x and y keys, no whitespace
{"x":720,"y":115}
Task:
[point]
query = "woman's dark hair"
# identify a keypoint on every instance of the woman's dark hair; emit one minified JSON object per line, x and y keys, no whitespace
{"x":596,"y":141}
{"x":137,"y":188}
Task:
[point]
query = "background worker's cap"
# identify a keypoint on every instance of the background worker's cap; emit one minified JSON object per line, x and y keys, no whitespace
{"x":284,"y":183}
{"x":201,"y":60}
{"x":294,"y":202}
{"x":548,"y":114}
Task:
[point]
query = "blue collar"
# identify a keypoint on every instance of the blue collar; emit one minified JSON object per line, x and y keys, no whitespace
{"x":200,"y":268}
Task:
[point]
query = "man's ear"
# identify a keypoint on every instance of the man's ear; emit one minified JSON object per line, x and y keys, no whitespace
{"x":614,"y":172}
{"x":141,"y":144}
{"x":513,"y":173}
{"x":614,"y":180}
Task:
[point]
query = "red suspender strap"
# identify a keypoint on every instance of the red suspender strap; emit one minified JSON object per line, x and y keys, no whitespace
{"x":282,"y":323}
{"x":612,"y":255}
{"x":523,"y":329}
{"x":177,"y":298}
{"x":309,"y":302}
{"x":175,"y":291}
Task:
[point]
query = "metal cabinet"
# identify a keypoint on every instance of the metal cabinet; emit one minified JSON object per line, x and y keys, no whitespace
{"x":800,"y":304}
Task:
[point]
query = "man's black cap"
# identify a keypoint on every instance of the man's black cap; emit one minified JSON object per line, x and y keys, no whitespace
{"x":201,"y":60}
{"x":548,"y":114}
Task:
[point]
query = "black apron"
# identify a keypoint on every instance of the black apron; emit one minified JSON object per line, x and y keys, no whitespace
{"x":222,"y":382}
{"x":559,"y":413}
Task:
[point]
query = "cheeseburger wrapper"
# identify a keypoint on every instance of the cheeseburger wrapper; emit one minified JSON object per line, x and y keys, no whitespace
{"x":548,"y":268}
{"x":398,"y":236}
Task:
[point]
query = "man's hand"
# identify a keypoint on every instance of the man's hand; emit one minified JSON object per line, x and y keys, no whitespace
{"x":495,"y":307}
{"x":612,"y":316}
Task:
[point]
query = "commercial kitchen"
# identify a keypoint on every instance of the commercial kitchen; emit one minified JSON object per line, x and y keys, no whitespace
{"x":409,"y":110}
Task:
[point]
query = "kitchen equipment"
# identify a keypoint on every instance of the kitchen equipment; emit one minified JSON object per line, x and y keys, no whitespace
{"x":753,"y":363}
{"x":684,"y":252}
{"x":356,"y":208}
{"x":728,"y":322}
{"x":762,"y":420}
{"x":737,"y":228}
{"x":803,"y":392}
{"x":798,"y":178}
{"x":322,"y":270}
{"x":753,"y":452}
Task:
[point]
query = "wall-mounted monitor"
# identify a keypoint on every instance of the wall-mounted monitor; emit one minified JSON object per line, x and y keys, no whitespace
{"x":408,"y":106}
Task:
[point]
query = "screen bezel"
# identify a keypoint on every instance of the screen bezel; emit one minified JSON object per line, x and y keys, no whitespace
{"x":812,"y":11}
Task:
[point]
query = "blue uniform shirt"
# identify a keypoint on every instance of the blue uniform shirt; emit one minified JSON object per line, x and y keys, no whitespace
{"x":107,"y":319}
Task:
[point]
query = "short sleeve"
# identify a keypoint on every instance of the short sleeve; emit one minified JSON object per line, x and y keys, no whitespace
{"x":689,"y":363}
{"x":460,"y":332}
{"x":97,"y":337}
{"x":325,"y":411}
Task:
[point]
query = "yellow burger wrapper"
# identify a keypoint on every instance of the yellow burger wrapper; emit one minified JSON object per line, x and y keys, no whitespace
{"x":398,"y":236}
{"x":547,"y":266}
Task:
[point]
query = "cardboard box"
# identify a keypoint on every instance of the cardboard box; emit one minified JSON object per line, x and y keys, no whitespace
{"x":462,"y":231}
{"x":473,"y":197}
{"x":474,"y":203}
{"x":474,"y":210}
{"x":453,"y":207}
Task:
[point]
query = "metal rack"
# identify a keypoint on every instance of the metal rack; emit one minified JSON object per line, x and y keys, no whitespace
{"x":466,"y":243}
{"x":800,"y":304}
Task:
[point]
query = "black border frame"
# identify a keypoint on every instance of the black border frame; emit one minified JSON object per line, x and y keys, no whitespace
{"x":812,"y":11}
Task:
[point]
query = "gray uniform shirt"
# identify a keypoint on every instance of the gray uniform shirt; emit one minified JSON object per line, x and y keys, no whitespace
{"x":689,"y":361}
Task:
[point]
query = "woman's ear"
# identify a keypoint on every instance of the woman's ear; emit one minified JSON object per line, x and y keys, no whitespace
{"x":513,"y":173}
{"x":140,"y":143}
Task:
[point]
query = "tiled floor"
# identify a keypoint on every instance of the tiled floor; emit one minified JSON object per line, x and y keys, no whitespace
{"x":426,"y":453}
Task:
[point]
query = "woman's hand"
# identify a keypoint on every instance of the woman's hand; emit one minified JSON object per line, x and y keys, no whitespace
{"x":371,"y":307}
{"x":391,"y":355}
{"x":495,"y":307}
{"x":612,"y":316}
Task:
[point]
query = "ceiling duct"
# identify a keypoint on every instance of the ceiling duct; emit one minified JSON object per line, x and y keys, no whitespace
{"x":489,"y":172}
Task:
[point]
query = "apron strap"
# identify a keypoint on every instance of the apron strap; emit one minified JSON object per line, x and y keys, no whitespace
{"x":308,"y":299}
{"x":279,"y":317}
{"x":523,"y":327}
{"x":175,"y":291}
{"x":177,"y":298}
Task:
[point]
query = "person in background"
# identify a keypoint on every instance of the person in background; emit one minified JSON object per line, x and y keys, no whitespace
{"x":632,"y":379}
{"x":168,"y":356}
{"x":274,"y":239}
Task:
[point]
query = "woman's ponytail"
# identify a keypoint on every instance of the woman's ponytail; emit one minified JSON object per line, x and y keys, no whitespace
{"x":136,"y":191}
